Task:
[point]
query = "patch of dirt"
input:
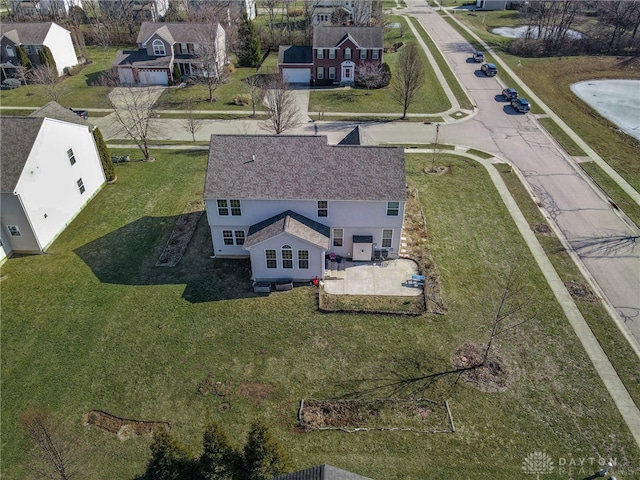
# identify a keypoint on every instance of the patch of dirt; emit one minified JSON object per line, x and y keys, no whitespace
{"x":209,"y":386}
{"x":491,"y":377}
{"x":181,"y":235}
{"x":440,"y":170}
{"x":257,"y":392}
{"x":124,"y":428}
{"x":542,"y":229}
{"x":579,"y":291}
{"x":417,"y":249}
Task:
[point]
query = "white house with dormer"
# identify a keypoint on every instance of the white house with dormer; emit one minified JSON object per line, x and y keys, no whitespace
{"x":290,"y":202}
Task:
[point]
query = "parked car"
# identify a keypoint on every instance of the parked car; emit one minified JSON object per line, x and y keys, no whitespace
{"x":510,"y":93}
{"x":478,"y":56}
{"x":489,"y":69}
{"x":521,"y":105}
{"x":81,"y":113}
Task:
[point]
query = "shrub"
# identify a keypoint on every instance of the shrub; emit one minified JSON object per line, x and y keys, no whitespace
{"x":386,"y":77}
{"x":75,"y":70}
{"x":242,"y":99}
{"x":11,"y":83}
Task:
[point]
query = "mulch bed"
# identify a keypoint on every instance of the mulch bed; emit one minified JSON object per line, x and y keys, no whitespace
{"x":542,"y":229}
{"x":181,"y":235}
{"x":123,"y":427}
{"x":257,"y":392}
{"x":491,"y":377}
{"x":579,"y":291}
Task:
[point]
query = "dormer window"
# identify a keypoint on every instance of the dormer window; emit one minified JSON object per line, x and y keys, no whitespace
{"x":158,"y":48}
{"x":347,"y":54}
{"x":10,"y":51}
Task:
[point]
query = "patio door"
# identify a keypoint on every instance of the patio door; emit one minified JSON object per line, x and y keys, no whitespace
{"x":362,"y":248}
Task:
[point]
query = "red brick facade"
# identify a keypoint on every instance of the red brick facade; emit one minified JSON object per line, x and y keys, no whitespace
{"x":338,"y":65}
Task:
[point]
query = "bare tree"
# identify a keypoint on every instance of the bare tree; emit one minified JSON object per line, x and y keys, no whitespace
{"x":281,"y":106}
{"x":256,"y":94}
{"x":408,"y":78}
{"x":271,"y":7}
{"x":54,"y":454}
{"x":49,"y":80}
{"x":361,"y":12}
{"x":211,"y":68}
{"x":133,"y":110}
{"x":191,"y":122}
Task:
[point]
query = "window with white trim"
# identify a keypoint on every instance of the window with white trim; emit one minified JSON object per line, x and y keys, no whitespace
{"x":332,"y":53}
{"x":387,"y":238}
{"x":227,"y":237}
{"x":303,"y":259}
{"x":10,"y":51}
{"x":338,"y":237}
{"x":72,"y":157}
{"x":236,"y":211}
{"x":80,"y":184}
{"x":332,"y":73}
{"x":323,"y":208}
{"x":270,"y":256}
{"x":374,"y":54}
{"x":223,"y":207}
{"x":347,"y":54}
{"x":320,"y":53}
{"x":363,"y":54}
{"x":14,"y":230}
{"x":239,"y":234}
{"x":393,"y":209}
{"x":287,"y":256}
{"x":320,"y":73}
{"x":30,"y":49}
{"x":158,"y":47}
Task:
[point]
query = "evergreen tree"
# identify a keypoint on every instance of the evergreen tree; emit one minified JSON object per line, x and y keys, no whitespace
{"x":219,"y":460}
{"x":169,"y":460}
{"x":46,"y":58}
{"x":105,"y":156}
{"x":177,"y":78}
{"x":23,"y":58}
{"x":250,"y":52}
{"x":264,"y":457}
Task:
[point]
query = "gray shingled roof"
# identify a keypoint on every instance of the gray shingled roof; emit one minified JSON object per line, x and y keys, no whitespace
{"x":28,"y":33}
{"x":292,"y":223}
{"x":321,"y":472}
{"x":357,"y":136}
{"x":302,"y":168}
{"x":140,"y":58}
{"x":180,"y":32}
{"x":17,"y":135}
{"x":365,"y":37}
{"x":295,"y":54}
{"x":56,"y":111}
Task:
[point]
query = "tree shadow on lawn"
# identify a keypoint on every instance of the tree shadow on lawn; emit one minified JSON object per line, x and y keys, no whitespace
{"x":128,"y":255}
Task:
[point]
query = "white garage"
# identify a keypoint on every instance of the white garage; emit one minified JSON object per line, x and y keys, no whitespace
{"x":296,"y":75}
{"x":126,"y":76}
{"x":153,"y":77}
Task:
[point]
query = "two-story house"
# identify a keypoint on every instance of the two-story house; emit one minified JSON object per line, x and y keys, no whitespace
{"x":198,"y":49}
{"x":50,"y":170}
{"x":32,"y":37}
{"x":138,"y":10}
{"x":23,"y":9}
{"x":287,"y":202}
{"x":341,"y":12}
{"x":234,"y":8}
{"x":335,"y":56}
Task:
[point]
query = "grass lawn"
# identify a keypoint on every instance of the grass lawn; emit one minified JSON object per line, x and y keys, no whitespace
{"x":78,"y":93}
{"x":95,"y":325}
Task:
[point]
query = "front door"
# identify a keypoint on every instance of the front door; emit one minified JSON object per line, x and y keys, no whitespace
{"x":347,"y":73}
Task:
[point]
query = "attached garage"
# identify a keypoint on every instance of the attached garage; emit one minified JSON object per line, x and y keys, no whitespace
{"x":153,"y":77}
{"x":296,"y":75}
{"x":126,"y":76}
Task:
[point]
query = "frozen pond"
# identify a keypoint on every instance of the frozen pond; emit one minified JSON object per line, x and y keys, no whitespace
{"x":616,"y":100}
{"x":519,"y":32}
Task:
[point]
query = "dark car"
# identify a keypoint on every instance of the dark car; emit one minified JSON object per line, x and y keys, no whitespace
{"x":478,"y":56}
{"x":521,"y":105}
{"x":81,"y":113}
{"x":510,"y":93}
{"x":489,"y":69}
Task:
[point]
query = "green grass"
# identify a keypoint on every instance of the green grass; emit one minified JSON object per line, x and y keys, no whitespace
{"x":612,"y":341}
{"x":93,"y":324}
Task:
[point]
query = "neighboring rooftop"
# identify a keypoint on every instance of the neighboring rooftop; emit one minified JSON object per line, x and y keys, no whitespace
{"x":295,"y":54}
{"x":28,"y":33}
{"x":321,"y":472}
{"x":178,"y":31}
{"x":302,"y":167}
{"x":141,"y":59}
{"x":58,"y":112}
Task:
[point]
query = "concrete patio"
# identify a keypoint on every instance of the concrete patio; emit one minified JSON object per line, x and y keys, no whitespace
{"x":373,"y":278}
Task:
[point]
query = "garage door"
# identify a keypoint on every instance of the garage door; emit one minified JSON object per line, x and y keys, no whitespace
{"x":153,"y":77}
{"x":296,"y":75}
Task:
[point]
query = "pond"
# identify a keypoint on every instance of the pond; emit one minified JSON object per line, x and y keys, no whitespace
{"x":519,"y":32}
{"x":616,"y":100}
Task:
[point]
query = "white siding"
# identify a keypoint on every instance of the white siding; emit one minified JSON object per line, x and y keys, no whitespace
{"x":13,"y":214}
{"x":59,"y":42}
{"x":260,"y":272}
{"x":48,"y":186}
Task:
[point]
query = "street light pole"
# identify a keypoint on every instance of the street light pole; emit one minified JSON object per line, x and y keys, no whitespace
{"x":435,"y":149}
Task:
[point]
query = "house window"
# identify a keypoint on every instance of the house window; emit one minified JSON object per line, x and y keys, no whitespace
{"x":320,"y":73}
{"x":239,"y":237}
{"x":236,"y":211}
{"x":227,"y":237}
{"x":374,"y":54}
{"x":363,"y":54}
{"x":80,"y":186}
{"x":387,"y":238}
{"x":72,"y":158}
{"x":320,"y":53}
{"x":338,"y":237}
{"x":347,"y":54}
{"x":332,"y":53}
{"x":393,"y":209}
{"x":223,"y":207}
{"x":10,"y":51}
{"x":323,"y":208}
{"x":332,"y":73}
{"x":303,"y":259}
{"x":30,"y":49}
{"x":158,"y":47}
{"x":270,"y":255}
{"x":14,"y":230}
{"x":287,"y":256}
